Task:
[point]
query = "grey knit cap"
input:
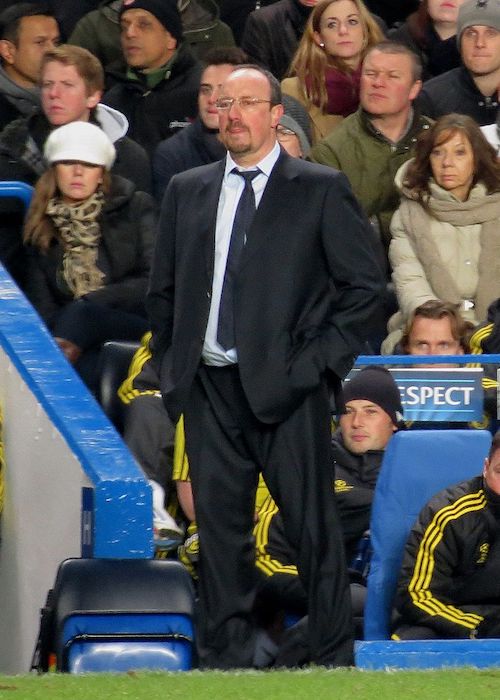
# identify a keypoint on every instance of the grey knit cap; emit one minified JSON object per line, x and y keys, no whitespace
{"x":484,"y":13}
{"x":289,"y":123}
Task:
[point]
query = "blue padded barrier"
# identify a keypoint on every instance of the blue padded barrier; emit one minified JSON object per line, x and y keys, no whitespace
{"x":426,"y":654}
{"x":120,"y":498}
{"x":417,"y":464}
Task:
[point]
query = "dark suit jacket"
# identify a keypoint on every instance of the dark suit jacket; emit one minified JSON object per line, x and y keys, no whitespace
{"x":307,"y":288}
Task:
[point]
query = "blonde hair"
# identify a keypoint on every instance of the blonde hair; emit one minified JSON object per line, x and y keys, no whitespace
{"x":311,"y":61}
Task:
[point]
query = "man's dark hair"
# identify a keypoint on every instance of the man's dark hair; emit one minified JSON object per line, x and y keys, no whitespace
{"x":224,"y":55}
{"x":10,"y":19}
{"x":395,"y":47}
{"x":276,"y":95}
{"x":435,"y":309}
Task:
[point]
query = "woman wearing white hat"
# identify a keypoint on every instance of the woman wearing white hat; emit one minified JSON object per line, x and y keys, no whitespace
{"x":90,"y":237}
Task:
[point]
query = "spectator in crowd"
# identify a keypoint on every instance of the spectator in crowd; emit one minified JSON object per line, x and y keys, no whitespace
{"x":326,"y":69}
{"x":292,"y":137}
{"x":272,"y":34}
{"x":66,"y":13}
{"x":438,"y":328}
{"x":449,"y":582}
{"x":198,"y":143}
{"x":72,"y":80}
{"x":372,"y":414}
{"x":250,"y":371}
{"x":99,"y":30}
{"x":434,"y":328}
{"x":445,"y":232}
{"x":473,"y":88}
{"x":370,"y":145}
{"x":157,"y":86}
{"x":27,"y":31}
{"x":431,"y":33}
{"x":90,"y":237}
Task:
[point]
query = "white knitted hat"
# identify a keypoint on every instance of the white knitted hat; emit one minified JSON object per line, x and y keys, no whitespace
{"x":80,"y":141}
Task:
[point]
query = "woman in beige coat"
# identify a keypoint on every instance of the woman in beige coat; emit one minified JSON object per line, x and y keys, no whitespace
{"x":326,"y":68}
{"x":446,"y":233}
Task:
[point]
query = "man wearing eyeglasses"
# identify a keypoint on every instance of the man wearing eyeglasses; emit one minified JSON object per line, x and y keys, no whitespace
{"x":262,"y":290}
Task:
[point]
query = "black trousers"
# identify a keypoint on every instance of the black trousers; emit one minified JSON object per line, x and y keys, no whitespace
{"x":227,"y":447}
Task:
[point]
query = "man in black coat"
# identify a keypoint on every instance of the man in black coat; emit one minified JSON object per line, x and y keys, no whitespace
{"x":249,"y":351}
{"x":157,"y":86}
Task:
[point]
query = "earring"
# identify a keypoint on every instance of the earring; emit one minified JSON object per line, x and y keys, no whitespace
{"x":322,"y":45}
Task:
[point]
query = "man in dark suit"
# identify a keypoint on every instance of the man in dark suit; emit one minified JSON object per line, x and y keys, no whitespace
{"x":252,"y":376}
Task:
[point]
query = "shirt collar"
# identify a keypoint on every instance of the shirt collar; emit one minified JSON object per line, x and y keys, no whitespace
{"x":265,"y":165}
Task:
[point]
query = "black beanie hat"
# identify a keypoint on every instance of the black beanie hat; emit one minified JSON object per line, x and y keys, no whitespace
{"x":165,"y":12}
{"x":376,"y":384}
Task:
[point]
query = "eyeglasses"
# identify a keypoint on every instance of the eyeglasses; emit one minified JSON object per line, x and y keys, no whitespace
{"x":246,"y":104}
{"x":283,"y":134}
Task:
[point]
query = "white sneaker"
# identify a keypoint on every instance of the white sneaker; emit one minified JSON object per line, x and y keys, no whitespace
{"x":166,"y":532}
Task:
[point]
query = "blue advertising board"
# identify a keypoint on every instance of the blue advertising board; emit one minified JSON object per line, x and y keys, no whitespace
{"x":440,"y":394}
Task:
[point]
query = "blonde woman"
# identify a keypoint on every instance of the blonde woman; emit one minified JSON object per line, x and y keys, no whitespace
{"x":326,"y":69}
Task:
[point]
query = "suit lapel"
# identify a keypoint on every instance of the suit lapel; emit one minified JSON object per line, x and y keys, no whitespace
{"x":272,"y":206}
{"x":208,"y":201}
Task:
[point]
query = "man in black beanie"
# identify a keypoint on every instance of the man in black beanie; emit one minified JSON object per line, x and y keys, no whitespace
{"x":372,"y":414}
{"x":157,"y":87}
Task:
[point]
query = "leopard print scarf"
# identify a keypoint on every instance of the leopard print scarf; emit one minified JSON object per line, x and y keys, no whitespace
{"x":80,"y":234}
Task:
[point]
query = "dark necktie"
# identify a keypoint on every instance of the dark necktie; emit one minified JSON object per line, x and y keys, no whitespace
{"x":245,"y":211}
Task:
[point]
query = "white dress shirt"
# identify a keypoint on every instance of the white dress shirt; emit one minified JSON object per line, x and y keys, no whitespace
{"x":231,"y":191}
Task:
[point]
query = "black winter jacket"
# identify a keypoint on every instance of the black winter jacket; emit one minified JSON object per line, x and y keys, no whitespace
{"x":450,"y":577}
{"x":355,"y":477}
{"x":192,"y":146}
{"x":127,"y":221}
{"x":156,"y":113}
{"x":455,"y":91}
{"x":21,"y":158}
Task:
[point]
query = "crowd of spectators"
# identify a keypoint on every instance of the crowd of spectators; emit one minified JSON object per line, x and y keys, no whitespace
{"x":103,"y":103}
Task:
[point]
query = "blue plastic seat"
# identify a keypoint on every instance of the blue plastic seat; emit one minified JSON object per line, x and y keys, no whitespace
{"x":119,"y":615}
{"x":417,"y":464}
